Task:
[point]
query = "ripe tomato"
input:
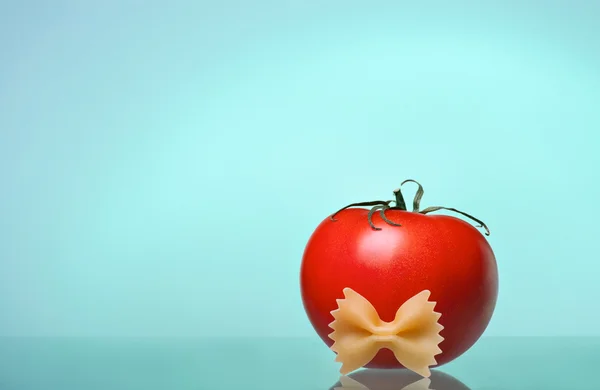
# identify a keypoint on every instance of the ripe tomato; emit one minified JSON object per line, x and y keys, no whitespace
{"x":388,"y":264}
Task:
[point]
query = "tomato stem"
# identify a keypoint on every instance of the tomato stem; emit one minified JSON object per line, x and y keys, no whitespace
{"x":382,"y":206}
{"x":400,"y":203}
{"x":436,"y":208}
{"x":373,"y":203}
{"x":418,"y":195}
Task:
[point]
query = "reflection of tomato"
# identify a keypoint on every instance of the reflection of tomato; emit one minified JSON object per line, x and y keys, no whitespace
{"x":440,"y":253}
{"x":397,"y":380}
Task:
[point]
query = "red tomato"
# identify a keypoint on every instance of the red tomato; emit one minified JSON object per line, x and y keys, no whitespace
{"x":440,"y":253}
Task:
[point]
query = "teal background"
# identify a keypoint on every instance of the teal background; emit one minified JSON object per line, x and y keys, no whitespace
{"x":162,"y":165}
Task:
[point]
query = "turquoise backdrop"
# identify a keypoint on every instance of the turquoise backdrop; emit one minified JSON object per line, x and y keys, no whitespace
{"x":162,"y":164}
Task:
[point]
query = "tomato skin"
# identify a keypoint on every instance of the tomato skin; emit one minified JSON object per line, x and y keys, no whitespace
{"x":440,"y":253}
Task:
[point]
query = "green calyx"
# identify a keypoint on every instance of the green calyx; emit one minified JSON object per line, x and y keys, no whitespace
{"x":382,"y":206}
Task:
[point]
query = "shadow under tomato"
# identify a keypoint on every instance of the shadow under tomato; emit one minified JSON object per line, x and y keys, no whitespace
{"x":374,"y":379}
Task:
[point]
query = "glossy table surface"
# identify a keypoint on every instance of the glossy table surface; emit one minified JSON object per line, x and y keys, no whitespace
{"x":285,"y":364}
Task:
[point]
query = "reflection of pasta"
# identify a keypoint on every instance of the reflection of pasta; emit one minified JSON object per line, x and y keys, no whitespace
{"x":413,"y":336}
{"x":349,"y":383}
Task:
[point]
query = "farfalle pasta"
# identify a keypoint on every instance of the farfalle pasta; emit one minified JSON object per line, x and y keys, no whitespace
{"x":413,"y":336}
